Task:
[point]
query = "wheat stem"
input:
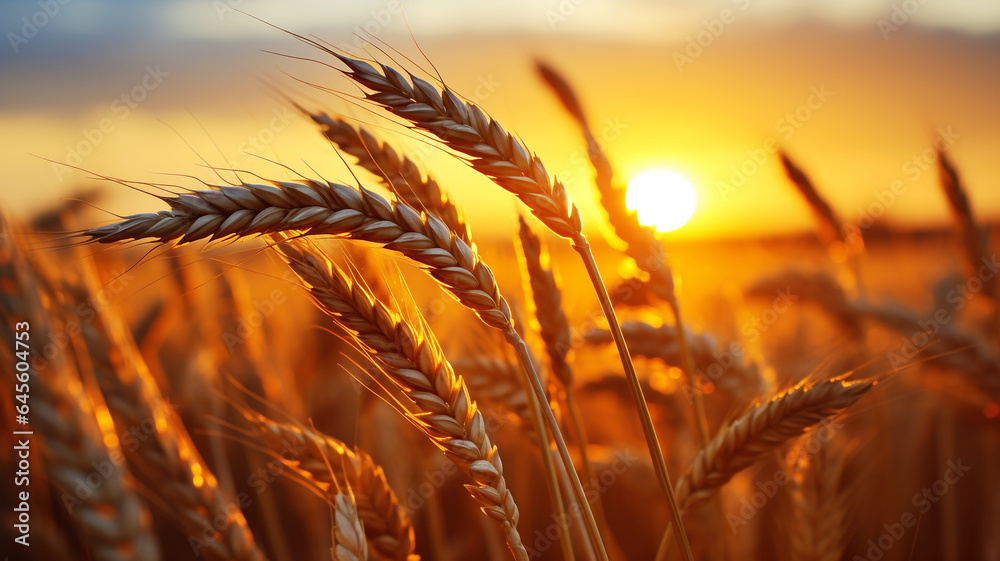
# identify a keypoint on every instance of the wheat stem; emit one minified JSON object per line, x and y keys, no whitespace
{"x":523,"y":354}
{"x":581,"y":245}
{"x":687,"y":358}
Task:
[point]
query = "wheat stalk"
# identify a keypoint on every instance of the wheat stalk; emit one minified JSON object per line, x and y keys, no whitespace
{"x":166,"y":462}
{"x":553,"y":326}
{"x":113,"y":519}
{"x":415,"y":364}
{"x":317,"y":207}
{"x":495,"y":153}
{"x":398,"y":172}
{"x":387,"y":526}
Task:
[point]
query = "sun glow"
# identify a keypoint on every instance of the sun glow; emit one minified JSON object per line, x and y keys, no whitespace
{"x":662,"y":199}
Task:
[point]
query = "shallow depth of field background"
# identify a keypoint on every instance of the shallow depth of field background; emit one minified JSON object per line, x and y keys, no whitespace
{"x":667,"y":85}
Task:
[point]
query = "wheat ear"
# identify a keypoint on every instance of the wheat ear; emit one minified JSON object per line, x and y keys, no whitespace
{"x":662,"y":343}
{"x":948,"y":347}
{"x":112,"y":518}
{"x":317,"y":207}
{"x":495,"y":153}
{"x":763,"y":429}
{"x":759,"y":431}
{"x":974,"y":243}
{"x":822,"y":508}
{"x":398,"y":172}
{"x":830,"y":229}
{"x":415,"y":365}
{"x":167,"y":461}
{"x":494,"y":382}
{"x":387,"y":526}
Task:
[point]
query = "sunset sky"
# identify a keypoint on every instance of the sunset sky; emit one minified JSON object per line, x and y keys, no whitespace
{"x":856,"y":91}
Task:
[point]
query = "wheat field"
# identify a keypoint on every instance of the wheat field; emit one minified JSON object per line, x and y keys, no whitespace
{"x":267,"y":364}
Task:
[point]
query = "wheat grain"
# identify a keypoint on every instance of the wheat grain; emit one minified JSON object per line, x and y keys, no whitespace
{"x":349,"y":542}
{"x":398,"y":172}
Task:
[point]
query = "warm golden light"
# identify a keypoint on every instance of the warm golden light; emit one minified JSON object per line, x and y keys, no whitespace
{"x":663,"y":199}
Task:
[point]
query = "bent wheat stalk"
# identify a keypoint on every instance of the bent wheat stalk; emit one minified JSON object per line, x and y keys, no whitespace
{"x":398,"y":172}
{"x":387,"y":527}
{"x":415,"y":364}
{"x":500,"y":156}
{"x":319,"y":207}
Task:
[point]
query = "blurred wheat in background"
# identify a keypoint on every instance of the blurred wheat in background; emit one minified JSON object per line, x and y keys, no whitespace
{"x":322,"y":355}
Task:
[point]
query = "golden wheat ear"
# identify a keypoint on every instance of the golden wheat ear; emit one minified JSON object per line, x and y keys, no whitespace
{"x":79,"y":442}
{"x":414,"y":363}
{"x":398,"y":172}
{"x":167,"y":461}
{"x":332,"y":466}
{"x":761,"y":430}
{"x":506,"y":160}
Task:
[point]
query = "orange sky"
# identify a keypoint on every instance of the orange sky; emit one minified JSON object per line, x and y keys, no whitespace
{"x":853,"y":108}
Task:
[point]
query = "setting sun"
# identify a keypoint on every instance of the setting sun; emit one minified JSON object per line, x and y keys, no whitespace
{"x":663,"y":199}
